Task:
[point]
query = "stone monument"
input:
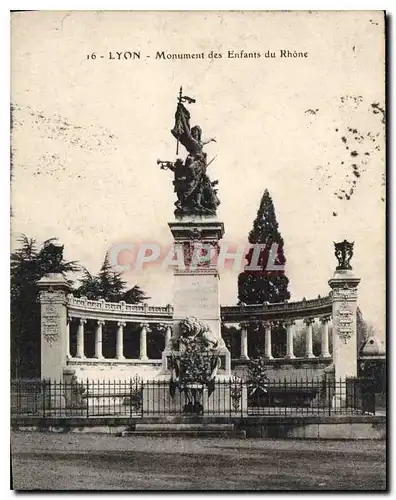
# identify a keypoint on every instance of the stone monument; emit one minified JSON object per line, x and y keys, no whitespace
{"x":344,"y":297}
{"x":53,"y":290}
{"x":196,"y":232}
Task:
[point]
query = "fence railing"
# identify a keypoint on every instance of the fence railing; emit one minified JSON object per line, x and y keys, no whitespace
{"x":136,"y":399}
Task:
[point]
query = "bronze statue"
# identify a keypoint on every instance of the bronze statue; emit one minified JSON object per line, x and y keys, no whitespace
{"x":196,"y":194}
{"x":344,"y":253}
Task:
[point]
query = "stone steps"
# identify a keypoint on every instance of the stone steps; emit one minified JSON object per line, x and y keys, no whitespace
{"x":185,"y":430}
{"x":187,"y":433}
{"x":166,"y":426}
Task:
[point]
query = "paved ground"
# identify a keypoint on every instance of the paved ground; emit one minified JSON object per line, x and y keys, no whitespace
{"x":101,"y":462}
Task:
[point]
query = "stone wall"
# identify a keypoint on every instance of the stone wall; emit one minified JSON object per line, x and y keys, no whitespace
{"x":287,"y":369}
{"x":114,"y":370}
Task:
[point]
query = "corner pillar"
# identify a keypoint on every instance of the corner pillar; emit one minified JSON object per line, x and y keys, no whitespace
{"x":344,"y":299}
{"x":53,"y":291}
{"x":344,"y":304}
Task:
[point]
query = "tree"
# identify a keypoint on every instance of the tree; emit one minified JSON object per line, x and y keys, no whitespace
{"x":111,"y":285}
{"x":89,"y":286}
{"x":108,"y":285}
{"x":257,"y":287}
{"x":28,"y":264}
{"x":299,"y":340}
{"x":135,"y":295}
{"x":364,"y":329}
{"x":232,"y":339}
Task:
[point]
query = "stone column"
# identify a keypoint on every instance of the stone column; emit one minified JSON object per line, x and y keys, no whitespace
{"x":289,"y":342}
{"x":267,"y":341}
{"x":120,"y":340}
{"x":244,"y":341}
{"x":344,"y":298}
{"x":168,"y":335}
{"x":69,"y":320}
{"x":53,"y":290}
{"x":98,"y":339}
{"x":143,"y":341}
{"x":344,"y":304}
{"x":325,"y":337}
{"x":308,"y":337}
{"x":80,"y":339}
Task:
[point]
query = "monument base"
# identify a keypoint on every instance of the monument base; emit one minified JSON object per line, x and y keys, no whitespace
{"x":229,"y":398}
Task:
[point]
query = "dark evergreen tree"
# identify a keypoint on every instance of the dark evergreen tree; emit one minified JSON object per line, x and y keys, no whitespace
{"x":28,"y":265}
{"x":259,"y":286}
{"x":111,"y":285}
{"x":232,"y":339}
{"x":108,"y":285}
{"x":89,"y":286}
{"x":135,"y":295}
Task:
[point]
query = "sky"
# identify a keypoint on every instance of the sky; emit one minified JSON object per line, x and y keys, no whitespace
{"x":87,"y":134}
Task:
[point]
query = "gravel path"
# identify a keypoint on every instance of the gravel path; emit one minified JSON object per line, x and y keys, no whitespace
{"x":47,"y":461}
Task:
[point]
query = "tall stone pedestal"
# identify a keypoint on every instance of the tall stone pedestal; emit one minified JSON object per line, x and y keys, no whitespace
{"x":53,"y":290}
{"x":196,"y":284}
{"x":196,"y":293}
{"x":344,"y":295}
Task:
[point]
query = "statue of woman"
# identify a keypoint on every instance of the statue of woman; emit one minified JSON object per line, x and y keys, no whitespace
{"x":197,"y":192}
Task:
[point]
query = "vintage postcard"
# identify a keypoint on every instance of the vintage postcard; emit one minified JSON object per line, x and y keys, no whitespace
{"x":198,"y":250}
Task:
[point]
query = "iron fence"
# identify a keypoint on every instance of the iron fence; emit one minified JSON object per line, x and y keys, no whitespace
{"x":134,"y":398}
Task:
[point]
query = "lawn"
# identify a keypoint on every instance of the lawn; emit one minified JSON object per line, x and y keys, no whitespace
{"x":46,"y":461}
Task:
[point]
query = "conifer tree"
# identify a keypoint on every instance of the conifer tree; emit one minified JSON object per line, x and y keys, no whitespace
{"x":257,"y":287}
{"x":108,"y":285}
{"x":29,"y":263}
{"x":111,"y":283}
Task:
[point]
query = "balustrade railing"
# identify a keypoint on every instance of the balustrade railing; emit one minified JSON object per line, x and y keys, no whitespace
{"x":303,"y":306}
{"x":102,"y":305}
{"x":227,"y":312}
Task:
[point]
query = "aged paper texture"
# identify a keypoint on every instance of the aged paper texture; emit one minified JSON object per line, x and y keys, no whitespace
{"x":295,"y":103}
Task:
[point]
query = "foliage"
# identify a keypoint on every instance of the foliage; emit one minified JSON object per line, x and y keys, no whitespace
{"x":257,"y":287}
{"x":364,"y":330}
{"x":29,"y":263}
{"x":108,"y":285}
{"x":196,"y":362}
{"x":299,"y":340}
{"x":236,"y":392}
{"x":135,"y":295}
{"x":257,"y":375}
{"x":232,"y":339}
{"x":135,"y":399}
